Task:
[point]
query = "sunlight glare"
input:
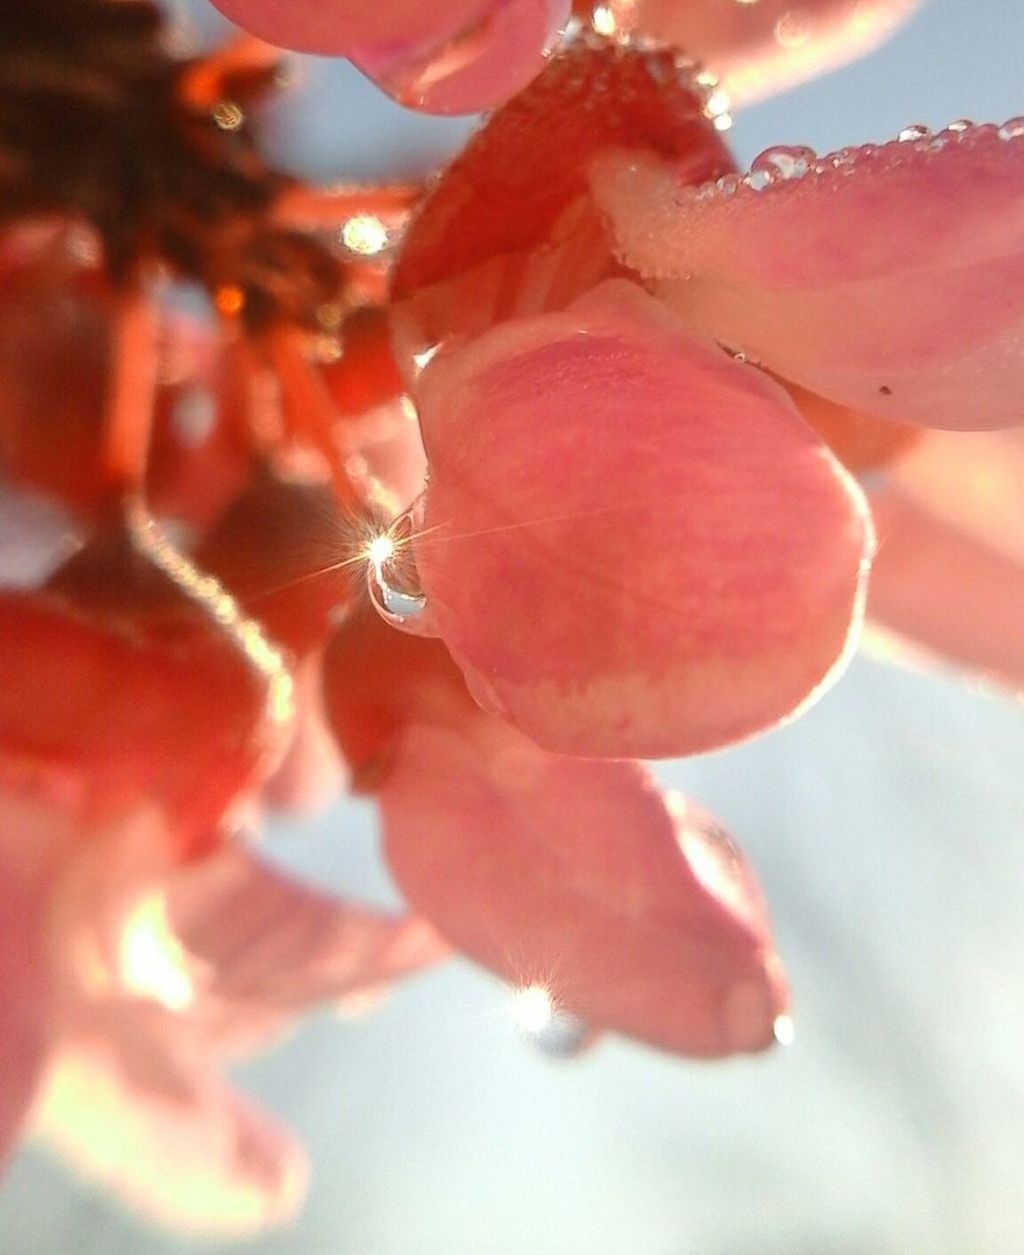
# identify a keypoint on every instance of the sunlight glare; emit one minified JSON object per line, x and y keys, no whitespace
{"x":153,"y":962}
{"x":532,"y":1009}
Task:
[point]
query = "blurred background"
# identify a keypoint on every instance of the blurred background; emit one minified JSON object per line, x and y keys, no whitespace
{"x":887,"y":827}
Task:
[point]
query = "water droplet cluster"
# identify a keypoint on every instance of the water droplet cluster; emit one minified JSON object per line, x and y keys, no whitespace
{"x":790,"y":164}
{"x":612,"y":25}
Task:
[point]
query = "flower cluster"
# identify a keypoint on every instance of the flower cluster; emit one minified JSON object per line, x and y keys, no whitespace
{"x":470,"y":495}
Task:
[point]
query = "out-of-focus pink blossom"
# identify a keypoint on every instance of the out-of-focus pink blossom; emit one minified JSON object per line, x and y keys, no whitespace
{"x":631,"y":541}
{"x":761,"y":46}
{"x":442,"y":58}
{"x":142,"y":977}
{"x":949,"y":577}
{"x":629,"y":909}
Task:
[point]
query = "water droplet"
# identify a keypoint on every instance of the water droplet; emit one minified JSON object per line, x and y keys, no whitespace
{"x":758,"y":180}
{"x":1012,"y":129}
{"x":365,"y":235}
{"x":793,"y":29}
{"x":392,"y":578}
{"x":547,"y":1026}
{"x":228,"y":116}
{"x":564,"y":1037}
{"x":960,"y":125}
{"x":783,"y":1030}
{"x":783,"y":162}
{"x":910,"y":134}
{"x":728,"y":183}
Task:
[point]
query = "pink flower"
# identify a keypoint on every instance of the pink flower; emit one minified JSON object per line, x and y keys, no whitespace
{"x":131,"y":978}
{"x":455,"y":57}
{"x":466,"y":55}
{"x":629,"y":365}
{"x":626,"y":908}
{"x":948,"y":581}
{"x":705,"y":588}
{"x":756,"y":47}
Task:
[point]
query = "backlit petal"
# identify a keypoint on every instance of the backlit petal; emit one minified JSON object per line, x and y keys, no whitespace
{"x":130,"y":1101}
{"x":479,"y":67}
{"x":509,"y":228}
{"x":947,"y":592}
{"x":890,"y":279}
{"x":338,"y":26}
{"x":456,"y":57}
{"x":271,"y":946}
{"x":25,"y":832}
{"x":632,"y":545}
{"x":760,"y":46}
{"x":631,"y":911}
{"x":972,"y":480}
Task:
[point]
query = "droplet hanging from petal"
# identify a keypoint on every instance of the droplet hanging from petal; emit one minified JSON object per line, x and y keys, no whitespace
{"x":392,"y":579}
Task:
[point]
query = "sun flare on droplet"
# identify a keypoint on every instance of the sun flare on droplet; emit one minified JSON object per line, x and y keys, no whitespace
{"x":365,"y":234}
{"x":531,"y":1009}
{"x":380,"y":549}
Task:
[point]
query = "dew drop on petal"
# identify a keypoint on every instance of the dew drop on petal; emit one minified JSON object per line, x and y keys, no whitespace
{"x":1013,"y":128}
{"x":551,"y":1029}
{"x":793,"y":29}
{"x":783,"y":1030}
{"x":365,"y":235}
{"x":392,"y":578}
{"x":910,"y":134}
{"x":783,"y":162}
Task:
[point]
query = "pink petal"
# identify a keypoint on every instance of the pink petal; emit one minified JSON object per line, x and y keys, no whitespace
{"x":481,"y":67}
{"x":763,"y":46}
{"x":24,"y":1037}
{"x":948,"y":592}
{"x":509,"y":228}
{"x":64,"y":889}
{"x":336,"y":27}
{"x":455,"y":57}
{"x":890,"y":280}
{"x":272,"y":947}
{"x":310,"y":776}
{"x":131,"y":1102}
{"x":973,"y":481}
{"x":632,"y":545}
{"x":633,"y":911}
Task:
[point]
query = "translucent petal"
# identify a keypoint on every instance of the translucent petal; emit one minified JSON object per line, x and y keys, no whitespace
{"x":579,"y":880}
{"x":632,"y":545}
{"x":271,"y":947}
{"x":509,"y":229}
{"x":761,"y":46}
{"x":131,"y":1102}
{"x":890,"y":279}
{"x":24,"y":1033}
{"x":948,"y":593}
{"x":480,"y":66}
{"x":458,"y":57}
